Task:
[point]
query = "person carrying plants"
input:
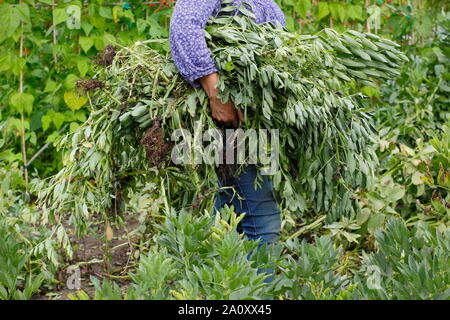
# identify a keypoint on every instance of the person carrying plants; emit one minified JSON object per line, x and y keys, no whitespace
{"x":194,"y":62}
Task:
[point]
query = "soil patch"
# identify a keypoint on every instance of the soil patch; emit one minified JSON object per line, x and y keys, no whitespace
{"x":95,"y":257}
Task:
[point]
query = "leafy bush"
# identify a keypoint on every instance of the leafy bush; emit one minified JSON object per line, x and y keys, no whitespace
{"x":197,"y":257}
{"x":415,"y":183}
{"x":106,"y":290}
{"x":28,"y":249}
{"x":409,"y":264}
{"x":16,"y":280}
{"x":416,"y":103}
{"x":212,"y":257}
{"x":310,"y":271}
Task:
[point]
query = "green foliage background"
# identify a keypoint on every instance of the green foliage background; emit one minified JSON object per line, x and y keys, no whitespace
{"x":46,"y":46}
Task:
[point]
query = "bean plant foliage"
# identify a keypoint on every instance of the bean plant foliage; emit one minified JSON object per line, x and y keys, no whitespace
{"x":307,"y":87}
{"x":365,"y":212}
{"x":203,"y":258}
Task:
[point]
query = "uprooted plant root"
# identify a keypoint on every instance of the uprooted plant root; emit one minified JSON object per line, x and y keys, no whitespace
{"x":156,"y":149}
{"x":225,"y":171}
{"x":106,"y":57}
{"x":90,"y":85}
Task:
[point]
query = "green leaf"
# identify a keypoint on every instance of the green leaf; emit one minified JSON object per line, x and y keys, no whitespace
{"x":333,"y":7}
{"x":10,"y":21}
{"x":351,"y":237}
{"x":141,"y":25}
{"x":74,"y":100}
{"x":69,"y":116}
{"x":51,"y":138}
{"x":370,"y":91}
{"x":355,"y":12}
{"x":396,"y":193}
{"x":99,"y":43}
{"x":59,"y":16}
{"x":155,"y":29}
{"x":87,"y":27}
{"x":58,"y":120}
{"x":229,"y":66}
{"x":18,"y":64}
{"x":376,"y":221}
{"x":341,"y":12}
{"x":290,"y":24}
{"x":46,"y":121}
{"x":83,"y":67}
{"x":5,"y":62}
{"x":22,"y":102}
{"x":80,"y":115}
{"x":375,"y":202}
{"x":362,"y":217}
{"x":416,"y":178}
{"x":23,"y":12}
{"x":86,"y":43}
{"x":323,"y":10}
{"x":50,"y":86}
{"x":70,"y":81}
{"x":108,"y":39}
{"x":191,"y":103}
{"x":302,"y":7}
{"x":35,"y":121}
{"x":16,"y":123}
{"x":329,"y":173}
{"x":73,"y":126}
{"x":106,"y":12}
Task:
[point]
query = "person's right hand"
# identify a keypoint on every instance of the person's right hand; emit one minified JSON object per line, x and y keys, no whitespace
{"x":225,"y":113}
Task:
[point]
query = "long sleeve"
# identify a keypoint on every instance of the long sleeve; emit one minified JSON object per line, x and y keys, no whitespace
{"x":188,"y":45}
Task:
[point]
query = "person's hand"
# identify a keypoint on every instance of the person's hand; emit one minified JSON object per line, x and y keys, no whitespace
{"x":225,"y":113}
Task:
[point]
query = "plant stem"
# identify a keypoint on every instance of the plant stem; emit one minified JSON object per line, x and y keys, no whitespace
{"x":22,"y":120}
{"x":367,"y":21}
{"x":55,"y":58}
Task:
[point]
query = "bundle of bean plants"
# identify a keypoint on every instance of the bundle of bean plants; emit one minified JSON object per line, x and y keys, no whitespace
{"x":306,"y":86}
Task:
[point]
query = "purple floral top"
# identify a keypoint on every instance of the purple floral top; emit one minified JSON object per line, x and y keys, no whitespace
{"x":187,"y":33}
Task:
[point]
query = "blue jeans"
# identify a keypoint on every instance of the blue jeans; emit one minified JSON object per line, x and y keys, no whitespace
{"x":262,"y":218}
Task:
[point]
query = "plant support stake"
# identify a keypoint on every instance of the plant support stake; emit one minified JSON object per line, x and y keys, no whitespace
{"x":24,"y":148}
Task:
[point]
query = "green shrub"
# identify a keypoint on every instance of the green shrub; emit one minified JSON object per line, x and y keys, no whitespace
{"x":409,"y":264}
{"x":311,"y":271}
{"x":16,"y":281}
